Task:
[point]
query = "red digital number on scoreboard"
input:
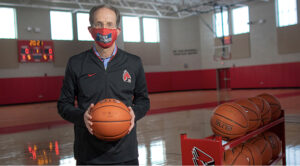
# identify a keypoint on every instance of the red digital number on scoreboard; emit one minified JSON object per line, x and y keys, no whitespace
{"x":35,"y":51}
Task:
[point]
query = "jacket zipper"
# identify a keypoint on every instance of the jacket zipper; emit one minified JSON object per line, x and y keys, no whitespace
{"x":106,"y":81}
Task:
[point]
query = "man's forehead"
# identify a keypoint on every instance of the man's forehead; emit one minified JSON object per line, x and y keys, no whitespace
{"x":105,"y":12}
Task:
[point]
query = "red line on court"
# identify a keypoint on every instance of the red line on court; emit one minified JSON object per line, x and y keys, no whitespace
{"x":206,"y":105}
{"x":34,"y":126}
{"x":181,"y":108}
{"x":20,"y":128}
{"x":283,"y":95}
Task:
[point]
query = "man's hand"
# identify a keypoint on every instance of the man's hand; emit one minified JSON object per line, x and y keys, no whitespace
{"x":87,"y":117}
{"x":132,"y":119}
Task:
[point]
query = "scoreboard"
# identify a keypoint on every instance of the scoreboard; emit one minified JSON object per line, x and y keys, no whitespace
{"x":35,"y":51}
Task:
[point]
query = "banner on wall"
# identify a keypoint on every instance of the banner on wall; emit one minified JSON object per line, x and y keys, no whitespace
{"x":185,"y":52}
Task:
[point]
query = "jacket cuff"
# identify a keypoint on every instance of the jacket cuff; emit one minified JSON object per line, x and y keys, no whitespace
{"x":137,"y":112}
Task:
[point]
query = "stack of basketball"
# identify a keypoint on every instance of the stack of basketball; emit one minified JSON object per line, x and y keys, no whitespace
{"x":235,"y":119}
{"x":260,"y":150}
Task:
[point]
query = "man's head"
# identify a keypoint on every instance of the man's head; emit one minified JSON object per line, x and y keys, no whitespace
{"x":104,"y":10}
{"x":105,"y":22}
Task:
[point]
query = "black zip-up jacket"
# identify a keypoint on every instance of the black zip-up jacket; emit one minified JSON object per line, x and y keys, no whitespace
{"x":87,"y":80}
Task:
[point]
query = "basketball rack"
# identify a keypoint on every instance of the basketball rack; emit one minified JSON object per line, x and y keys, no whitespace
{"x":210,"y":150}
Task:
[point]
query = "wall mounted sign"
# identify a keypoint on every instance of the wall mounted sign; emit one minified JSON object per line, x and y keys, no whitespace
{"x":185,"y":52}
{"x":35,"y":51}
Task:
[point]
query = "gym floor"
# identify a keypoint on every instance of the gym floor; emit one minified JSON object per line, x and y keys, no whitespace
{"x":34,"y":134}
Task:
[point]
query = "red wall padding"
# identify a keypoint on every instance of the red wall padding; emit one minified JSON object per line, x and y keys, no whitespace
{"x":160,"y":81}
{"x":28,"y":90}
{"x":37,"y":89}
{"x":266,"y":76}
{"x":181,"y":80}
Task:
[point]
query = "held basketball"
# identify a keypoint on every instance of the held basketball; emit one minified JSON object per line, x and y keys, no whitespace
{"x":265,"y":109}
{"x":229,"y":120}
{"x":274,"y":104}
{"x":253,"y":113}
{"x":111,"y":119}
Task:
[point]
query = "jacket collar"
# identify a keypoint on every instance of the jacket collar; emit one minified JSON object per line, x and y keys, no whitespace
{"x":119,"y":59}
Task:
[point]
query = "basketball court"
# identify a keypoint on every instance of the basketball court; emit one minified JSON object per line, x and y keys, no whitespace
{"x":199,"y":55}
{"x":46,"y":139}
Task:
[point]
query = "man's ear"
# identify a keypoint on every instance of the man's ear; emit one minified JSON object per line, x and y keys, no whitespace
{"x":90,"y":29}
{"x":118,"y":31}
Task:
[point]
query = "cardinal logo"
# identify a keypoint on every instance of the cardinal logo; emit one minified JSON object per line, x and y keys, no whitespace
{"x":126,"y":77}
{"x":201,"y":158}
{"x":103,"y":38}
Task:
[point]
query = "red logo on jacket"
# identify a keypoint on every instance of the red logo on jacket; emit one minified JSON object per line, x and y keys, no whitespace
{"x":90,"y":75}
{"x":126,"y":76}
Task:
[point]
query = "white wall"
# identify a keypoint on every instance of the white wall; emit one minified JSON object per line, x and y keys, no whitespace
{"x":34,"y":18}
{"x":178,"y":35}
{"x":37,"y":18}
{"x":188,"y":33}
{"x":263,"y":40}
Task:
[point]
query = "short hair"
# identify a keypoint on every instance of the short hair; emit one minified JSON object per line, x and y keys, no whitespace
{"x":95,"y":8}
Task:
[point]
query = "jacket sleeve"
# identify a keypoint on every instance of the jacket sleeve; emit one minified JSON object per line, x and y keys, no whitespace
{"x":141,"y":102}
{"x":65,"y":105}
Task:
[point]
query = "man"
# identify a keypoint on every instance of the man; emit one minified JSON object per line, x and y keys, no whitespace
{"x":105,"y":71}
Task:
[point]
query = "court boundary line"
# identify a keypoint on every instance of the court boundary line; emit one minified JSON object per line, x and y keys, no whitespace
{"x":36,"y":126}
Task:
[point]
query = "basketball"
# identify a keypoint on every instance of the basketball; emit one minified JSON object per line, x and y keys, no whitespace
{"x":275,"y":142}
{"x":235,"y":157}
{"x":229,"y":120}
{"x":274,"y":104}
{"x":252,"y":152}
{"x":265,"y":109}
{"x":264,"y":148}
{"x":253,"y":113}
{"x":111,"y":119}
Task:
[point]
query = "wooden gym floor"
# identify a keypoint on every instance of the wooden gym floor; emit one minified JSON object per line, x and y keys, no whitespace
{"x":34,"y":134}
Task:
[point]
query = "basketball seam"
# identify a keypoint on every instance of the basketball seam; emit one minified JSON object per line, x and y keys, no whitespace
{"x":265,"y":146}
{"x":253,"y":100}
{"x":224,"y":132}
{"x":231,"y":120}
{"x":264,"y":109}
{"x":273,"y":98}
{"x":253,"y":161}
{"x":250,"y":110}
{"x":113,"y":136}
{"x":114,"y":106}
{"x":237,"y":156}
{"x":240,"y":112}
{"x":112,"y":121}
{"x":254,"y":119}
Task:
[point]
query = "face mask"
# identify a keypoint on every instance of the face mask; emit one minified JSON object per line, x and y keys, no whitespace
{"x":104,"y":37}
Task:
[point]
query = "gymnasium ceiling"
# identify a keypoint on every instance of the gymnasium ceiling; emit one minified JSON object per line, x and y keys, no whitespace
{"x":173,"y":9}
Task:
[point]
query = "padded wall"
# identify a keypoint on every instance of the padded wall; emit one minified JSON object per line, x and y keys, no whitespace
{"x":37,"y":89}
{"x":266,"y":76}
{"x":29,"y":90}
